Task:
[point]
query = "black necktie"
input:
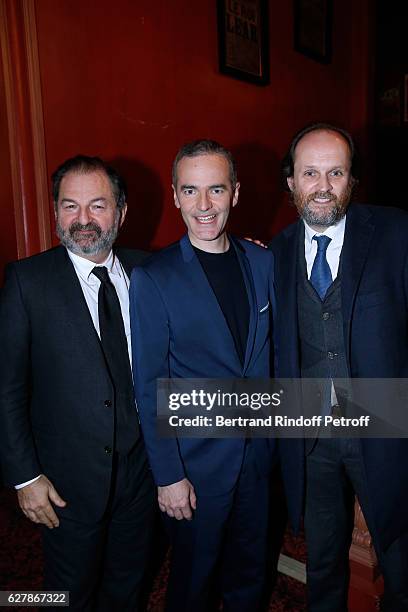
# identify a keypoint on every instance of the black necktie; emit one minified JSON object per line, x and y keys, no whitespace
{"x":115,"y":348}
{"x":111,"y":326}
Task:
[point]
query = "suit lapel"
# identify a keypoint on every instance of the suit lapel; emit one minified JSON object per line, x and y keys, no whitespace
{"x":202,"y":289}
{"x":130,"y":258}
{"x":287,"y":305}
{"x":69,"y":291}
{"x":127,"y":266}
{"x":253,"y":310}
{"x":357,"y":240}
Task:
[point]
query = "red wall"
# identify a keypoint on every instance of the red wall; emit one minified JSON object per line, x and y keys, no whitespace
{"x":132,"y":80}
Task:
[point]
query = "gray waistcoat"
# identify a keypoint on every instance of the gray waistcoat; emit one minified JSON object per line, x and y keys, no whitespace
{"x":321,"y":338}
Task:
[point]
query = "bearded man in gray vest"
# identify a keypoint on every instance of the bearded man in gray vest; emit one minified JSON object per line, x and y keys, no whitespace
{"x":341,"y":276}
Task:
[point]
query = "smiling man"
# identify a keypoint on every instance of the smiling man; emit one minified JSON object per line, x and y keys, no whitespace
{"x":202,"y":309}
{"x":341,"y":279}
{"x":70,"y":439}
{"x":321,"y":183}
{"x":205,"y":205}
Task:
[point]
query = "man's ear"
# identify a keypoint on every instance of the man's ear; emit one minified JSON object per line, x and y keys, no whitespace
{"x":123,"y":212}
{"x":236,"y":194}
{"x":291,"y":183}
{"x":176,"y":200}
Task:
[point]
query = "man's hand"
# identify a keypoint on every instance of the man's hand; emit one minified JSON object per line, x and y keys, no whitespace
{"x":178,"y":499}
{"x":35,"y":498}
{"x":258,"y":242}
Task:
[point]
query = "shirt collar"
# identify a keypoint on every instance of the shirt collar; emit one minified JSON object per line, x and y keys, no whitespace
{"x":84,"y":266}
{"x":335,"y":232}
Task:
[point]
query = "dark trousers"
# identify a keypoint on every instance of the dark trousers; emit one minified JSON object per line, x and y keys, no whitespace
{"x":103,"y":564}
{"x":224,"y":544}
{"x":334,"y":472}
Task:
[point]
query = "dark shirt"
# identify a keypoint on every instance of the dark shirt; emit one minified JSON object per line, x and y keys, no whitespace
{"x":224,"y":274}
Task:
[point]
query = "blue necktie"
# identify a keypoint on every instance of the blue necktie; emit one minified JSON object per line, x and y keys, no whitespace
{"x":320,"y":276}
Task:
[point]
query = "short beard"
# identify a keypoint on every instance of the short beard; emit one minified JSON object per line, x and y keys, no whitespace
{"x":329,"y":215}
{"x":102,"y":242}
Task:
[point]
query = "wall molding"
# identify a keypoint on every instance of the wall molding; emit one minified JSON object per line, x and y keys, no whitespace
{"x":37,"y":122}
{"x":19,"y":53}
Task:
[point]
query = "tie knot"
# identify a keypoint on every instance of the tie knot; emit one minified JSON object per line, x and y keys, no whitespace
{"x":322,"y":243}
{"x":101,"y":272}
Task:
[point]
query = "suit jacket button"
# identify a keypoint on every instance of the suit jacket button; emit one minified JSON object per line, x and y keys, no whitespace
{"x":108,"y":450}
{"x":326,"y":316}
{"x":108,"y":403}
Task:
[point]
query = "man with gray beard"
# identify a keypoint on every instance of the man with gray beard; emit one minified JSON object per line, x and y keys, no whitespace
{"x":341,"y":279}
{"x":69,"y":432}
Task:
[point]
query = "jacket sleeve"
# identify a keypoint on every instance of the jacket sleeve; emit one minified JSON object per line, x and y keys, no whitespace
{"x":17,"y":450}
{"x":150,"y":351}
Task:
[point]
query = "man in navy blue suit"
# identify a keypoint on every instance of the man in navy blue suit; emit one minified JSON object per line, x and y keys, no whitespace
{"x":201,"y":308}
{"x":341,"y":276}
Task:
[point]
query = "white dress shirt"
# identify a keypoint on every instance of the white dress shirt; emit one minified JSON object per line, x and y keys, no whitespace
{"x":336,"y":233}
{"x":90,"y":286}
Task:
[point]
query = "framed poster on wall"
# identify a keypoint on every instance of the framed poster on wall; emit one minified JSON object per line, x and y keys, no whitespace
{"x":243,"y":45}
{"x":313,"y":29}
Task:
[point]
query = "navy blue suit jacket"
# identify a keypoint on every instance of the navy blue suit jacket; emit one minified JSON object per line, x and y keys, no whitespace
{"x":374,"y":287}
{"x":179,"y":330}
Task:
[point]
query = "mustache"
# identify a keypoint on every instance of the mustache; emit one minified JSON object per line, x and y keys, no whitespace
{"x":326,"y":195}
{"x":89,"y":227}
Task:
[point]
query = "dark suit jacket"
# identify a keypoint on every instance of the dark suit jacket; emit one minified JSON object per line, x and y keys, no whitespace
{"x":374,"y":286}
{"x":54,"y":383}
{"x":179,"y":331}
